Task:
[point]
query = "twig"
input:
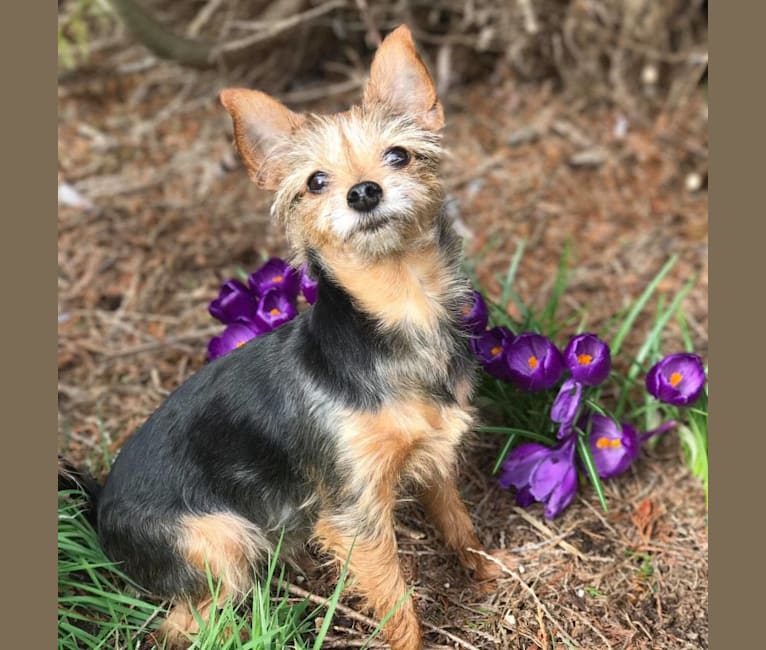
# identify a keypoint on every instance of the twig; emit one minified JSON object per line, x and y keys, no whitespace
{"x":530,"y":19}
{"x":347,"y":611}
{"x":571,"y":132}
{"x":373,"y":34}
{"x":599,"y":515}
{"x":161,"y":607}
{"x":156,"y":345}
{"x":529,"y":590}
{"x":324,"y":90}
{"x":455,"y":639}
{"x":352,"y":643}
{"x":548,"y":532}
{"x":546,"y":542}
{"x":202,"y":17}
{"x":280,"y":26}
{"x":478,"y":171}
{"x":318,"y":600}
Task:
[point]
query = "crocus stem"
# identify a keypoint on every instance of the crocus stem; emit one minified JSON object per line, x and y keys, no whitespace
{"x":590,"y":466}
{"x":660,"y":429}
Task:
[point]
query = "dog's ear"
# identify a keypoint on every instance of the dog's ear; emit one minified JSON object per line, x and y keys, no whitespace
{"x":261,"y":126}
{"x":400,"y":80}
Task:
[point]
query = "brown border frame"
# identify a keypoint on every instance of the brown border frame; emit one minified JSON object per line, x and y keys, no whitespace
{"x":28,"y":121}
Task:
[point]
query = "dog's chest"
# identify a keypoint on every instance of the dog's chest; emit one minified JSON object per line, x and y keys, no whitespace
{"x":416,"y":439}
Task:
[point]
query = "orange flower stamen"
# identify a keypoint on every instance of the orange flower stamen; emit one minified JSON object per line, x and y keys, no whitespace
{"x":603,"y":442}
{"x":241,"y":343}
{"x":675,"y":379}
{"x":496,"y":350}
{"x":532,"y":361}
{"x":277,"y":278}
{"x":584,"y":359}
{"x":275,"y":312}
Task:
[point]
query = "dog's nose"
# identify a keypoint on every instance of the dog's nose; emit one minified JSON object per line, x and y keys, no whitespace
{"x":364,"y":196}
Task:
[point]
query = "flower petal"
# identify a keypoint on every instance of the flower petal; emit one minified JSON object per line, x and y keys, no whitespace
{"x":588,"y":358}
{"x":524,"y":498}
{"x":613,"y":449}
{"x":309,"y":286}
{"x":520,"y":462}
{"x":234,"y":301}
{"x":564,"y":409}
{"x":534,"y":362}
{"x":677,"y":379}
{"x":562,"y":494}
{"x":551,"y":470}
{"x":490,"y":348}
{"x":275,"y":274}
{"x":476,"y":314}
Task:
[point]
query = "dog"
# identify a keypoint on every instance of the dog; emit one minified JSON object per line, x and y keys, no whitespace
{"x":310,"y":433}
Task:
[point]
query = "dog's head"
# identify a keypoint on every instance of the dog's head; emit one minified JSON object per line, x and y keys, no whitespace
{"x":364,"y":181}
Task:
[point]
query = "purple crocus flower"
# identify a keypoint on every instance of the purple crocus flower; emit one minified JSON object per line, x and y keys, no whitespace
{"x":476,"y":314}
{"x":565,"y":406}
{"x":308,"y":285}
{"x":588,"y":359}
{"x":233,"y":337}
{"x":234,"y":301}
{"x":534,"y":362}
{"x":275,"y":274}
{"x":543,"y":474}
{"x":677,"y":379}
{"x":274,"y":309}
{"x":614,"y":448}
{"x":490,"y":349}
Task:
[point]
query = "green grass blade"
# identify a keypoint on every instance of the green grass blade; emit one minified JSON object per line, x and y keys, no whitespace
{"x":517,"y":432}
{"x":590,"y":467}
{"x":501,"y":456}
{"x":685,"y":334}
{"x":640,"y":303}
{"x":649,"y":343}
{"x":510,"y":276}
{"x":387,"y":617}
{"x":562,"y":276}
{"x":333,"y":602}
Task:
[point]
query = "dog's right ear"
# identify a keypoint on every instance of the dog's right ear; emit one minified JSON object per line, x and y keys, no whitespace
{"x":261,"y":125}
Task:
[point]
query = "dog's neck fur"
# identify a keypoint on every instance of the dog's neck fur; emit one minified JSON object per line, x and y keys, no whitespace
{"x":409,"y":303}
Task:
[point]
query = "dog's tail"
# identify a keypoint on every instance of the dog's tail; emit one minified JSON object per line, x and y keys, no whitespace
{"x":81,"y":480}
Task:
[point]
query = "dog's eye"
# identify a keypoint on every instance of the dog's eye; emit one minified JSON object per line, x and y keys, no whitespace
{"x":317,"y":182}
{"x":396,"y":157}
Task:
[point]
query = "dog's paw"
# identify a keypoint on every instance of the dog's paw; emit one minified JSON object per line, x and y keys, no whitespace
{"x":495,"y":564}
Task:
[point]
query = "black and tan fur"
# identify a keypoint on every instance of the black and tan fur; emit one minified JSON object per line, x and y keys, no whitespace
{"x":315,"y":428}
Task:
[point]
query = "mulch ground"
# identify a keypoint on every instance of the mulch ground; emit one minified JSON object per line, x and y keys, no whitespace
{"x":169,"y":213}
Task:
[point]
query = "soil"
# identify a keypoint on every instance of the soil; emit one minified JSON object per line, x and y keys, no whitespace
{"x":170,"y":214}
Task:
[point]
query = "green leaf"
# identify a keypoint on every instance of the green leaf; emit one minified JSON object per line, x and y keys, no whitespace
{"x":649,"y":343}
{"x":635,"y":310}
{"x":508,"y":444}
{"x":333,"y":602}
{"x":549,"y":313}
{"x":513,"y":267}
{"x":517,"y":432}
{"x":590,"y":467}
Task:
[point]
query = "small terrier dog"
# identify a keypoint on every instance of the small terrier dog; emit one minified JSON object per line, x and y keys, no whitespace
{"x":314,"y":428}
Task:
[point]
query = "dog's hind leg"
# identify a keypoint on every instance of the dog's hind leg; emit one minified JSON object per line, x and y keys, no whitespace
{"x":225,"y":546}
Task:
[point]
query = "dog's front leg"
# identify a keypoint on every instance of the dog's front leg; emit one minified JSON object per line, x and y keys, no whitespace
{"x":375,"y":570}
{"x":445,"y":508}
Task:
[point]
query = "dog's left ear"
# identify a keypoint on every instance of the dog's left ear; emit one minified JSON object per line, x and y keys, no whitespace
{"x":261,"y":126}
{"x":400,"y":80}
